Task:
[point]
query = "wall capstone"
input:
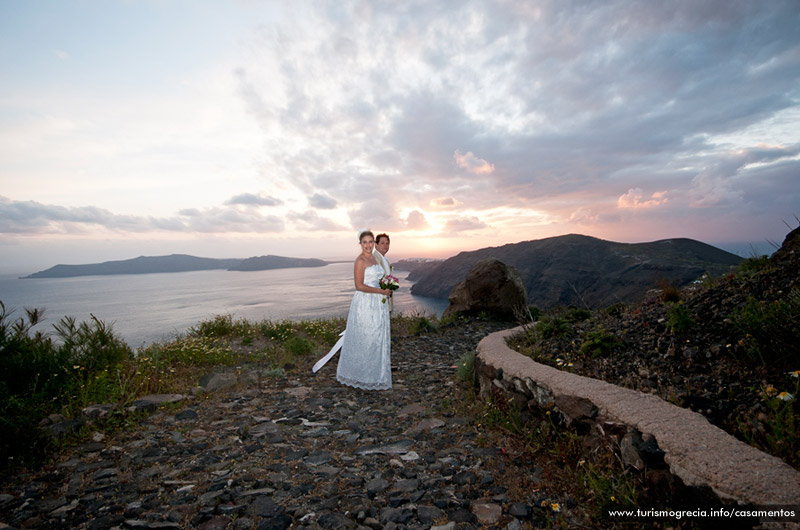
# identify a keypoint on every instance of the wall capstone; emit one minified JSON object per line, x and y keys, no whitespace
{"x":650,"y":432}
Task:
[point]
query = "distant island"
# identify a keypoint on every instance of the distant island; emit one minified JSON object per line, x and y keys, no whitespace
{"x":175,"y":263}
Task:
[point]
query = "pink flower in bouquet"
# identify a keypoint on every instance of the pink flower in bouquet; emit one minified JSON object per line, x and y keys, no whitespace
{"x":389,"y":282}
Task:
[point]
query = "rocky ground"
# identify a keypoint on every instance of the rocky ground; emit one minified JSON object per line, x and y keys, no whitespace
{"x":300,"y":451}
{"x":704,"y":366}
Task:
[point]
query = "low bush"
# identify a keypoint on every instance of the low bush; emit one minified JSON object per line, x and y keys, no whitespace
{"x":552,"y":326}
{"x":599,"y":343}
{"x":770,"y":330}
{"x":466,"y":367}
{"x":679,"y":320}
{"x":40,"y":376}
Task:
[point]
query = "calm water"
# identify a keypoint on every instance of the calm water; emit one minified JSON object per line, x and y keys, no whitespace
{"x":151,"y":307}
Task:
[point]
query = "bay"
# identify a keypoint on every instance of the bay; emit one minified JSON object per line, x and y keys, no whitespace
{"x":147,"y":308}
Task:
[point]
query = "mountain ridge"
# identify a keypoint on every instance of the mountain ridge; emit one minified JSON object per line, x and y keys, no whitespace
{"x":581,"y":270}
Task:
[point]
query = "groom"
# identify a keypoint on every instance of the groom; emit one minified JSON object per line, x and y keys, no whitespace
{"x":382,"y":243}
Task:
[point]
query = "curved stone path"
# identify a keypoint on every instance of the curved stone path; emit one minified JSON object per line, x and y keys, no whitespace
{"x":301,"y":451}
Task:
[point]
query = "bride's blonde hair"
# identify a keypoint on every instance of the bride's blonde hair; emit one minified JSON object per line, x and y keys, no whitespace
{"x":365,"y":232}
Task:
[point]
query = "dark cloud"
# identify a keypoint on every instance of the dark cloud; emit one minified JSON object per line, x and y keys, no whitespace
{"x":250,"y":199}
{"x":323,"y":202}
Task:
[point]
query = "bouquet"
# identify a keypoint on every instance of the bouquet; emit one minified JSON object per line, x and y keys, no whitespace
{"x":389,"y":282}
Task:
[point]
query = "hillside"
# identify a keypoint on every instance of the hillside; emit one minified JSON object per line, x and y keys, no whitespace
{"x":585,"y":271}
{"x":726,"y":348}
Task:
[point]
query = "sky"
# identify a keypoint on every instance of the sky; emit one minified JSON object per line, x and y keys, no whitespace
{"x":245,"y":128}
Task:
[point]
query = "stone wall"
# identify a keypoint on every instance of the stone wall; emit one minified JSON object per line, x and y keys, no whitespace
{"x":646,"y":430}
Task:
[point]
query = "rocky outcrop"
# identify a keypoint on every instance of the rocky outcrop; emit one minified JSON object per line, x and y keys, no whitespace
{"x":490,"y":286}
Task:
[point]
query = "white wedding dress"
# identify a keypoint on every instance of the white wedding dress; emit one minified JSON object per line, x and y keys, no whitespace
{"x":365,"y":359}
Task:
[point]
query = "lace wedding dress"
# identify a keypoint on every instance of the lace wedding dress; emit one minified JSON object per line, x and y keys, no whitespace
{"x":365,"y":359}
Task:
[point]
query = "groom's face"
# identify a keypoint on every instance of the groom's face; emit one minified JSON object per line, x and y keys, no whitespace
{"x":383,"y":245}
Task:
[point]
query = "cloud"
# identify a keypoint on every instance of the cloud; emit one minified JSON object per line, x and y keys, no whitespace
{"x":250,"y":199}
{"x":469,"y":115}
{"x":444,"y":202}
{"x":311,"y":220}
{"x":560,"y":107}
{"x":416,"y":221}
{"x":228,"y":220}
{"x":472,"y":163}
{"x":34,"y":218}
{"x":323,"y":202}
{"x":463,"y":224}
{"x":634,"y":199}
{"x":31,"y":217}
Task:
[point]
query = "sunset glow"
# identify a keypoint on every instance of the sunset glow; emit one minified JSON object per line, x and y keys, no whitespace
{"x":235,"y":129}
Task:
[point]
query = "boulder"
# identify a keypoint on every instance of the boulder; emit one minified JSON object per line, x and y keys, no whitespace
{"x":215,"y":382}
{"x":490,"y":286}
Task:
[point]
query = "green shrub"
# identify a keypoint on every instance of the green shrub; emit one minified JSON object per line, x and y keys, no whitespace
{"x":407,"y":325}
{"x":615,"y":310}
{"x":678,"y":319}
{"x":599,"y":343}
{"x":279,"y":331}
{"x":779,"y":432}
{"x":466,"y":367}
{"x":578,"y":314}
{"x":326,"y":331}
{"x":219,"y":326}
{"x":299,"y":346}
{"x":549,"y":327}
{"x":770,"y":330}
{"x":40,"y":376}
{"x":752,"y":265}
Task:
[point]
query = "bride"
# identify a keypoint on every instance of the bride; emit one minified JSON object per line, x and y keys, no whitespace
{"x":365,"y":359}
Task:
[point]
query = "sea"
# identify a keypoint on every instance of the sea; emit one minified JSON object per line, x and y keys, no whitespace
{"x":147,"y":308}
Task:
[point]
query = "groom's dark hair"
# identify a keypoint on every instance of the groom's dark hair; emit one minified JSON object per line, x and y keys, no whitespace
{"x":378,"y":239}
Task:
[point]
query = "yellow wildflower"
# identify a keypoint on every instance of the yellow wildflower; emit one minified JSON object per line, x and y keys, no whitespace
{"x":785,"y":396}
{"x":555,"y":507}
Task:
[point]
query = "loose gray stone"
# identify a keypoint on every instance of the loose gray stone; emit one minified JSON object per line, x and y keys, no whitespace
{"x":397,"y":448}
{"x":487,"y":513}
{"x":187,"y":415}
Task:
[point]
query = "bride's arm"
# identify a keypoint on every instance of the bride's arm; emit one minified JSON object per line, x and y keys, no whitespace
{"x":358,"y":278}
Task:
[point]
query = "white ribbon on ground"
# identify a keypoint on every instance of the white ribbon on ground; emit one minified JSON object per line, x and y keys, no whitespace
{"x":336,"y":347}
